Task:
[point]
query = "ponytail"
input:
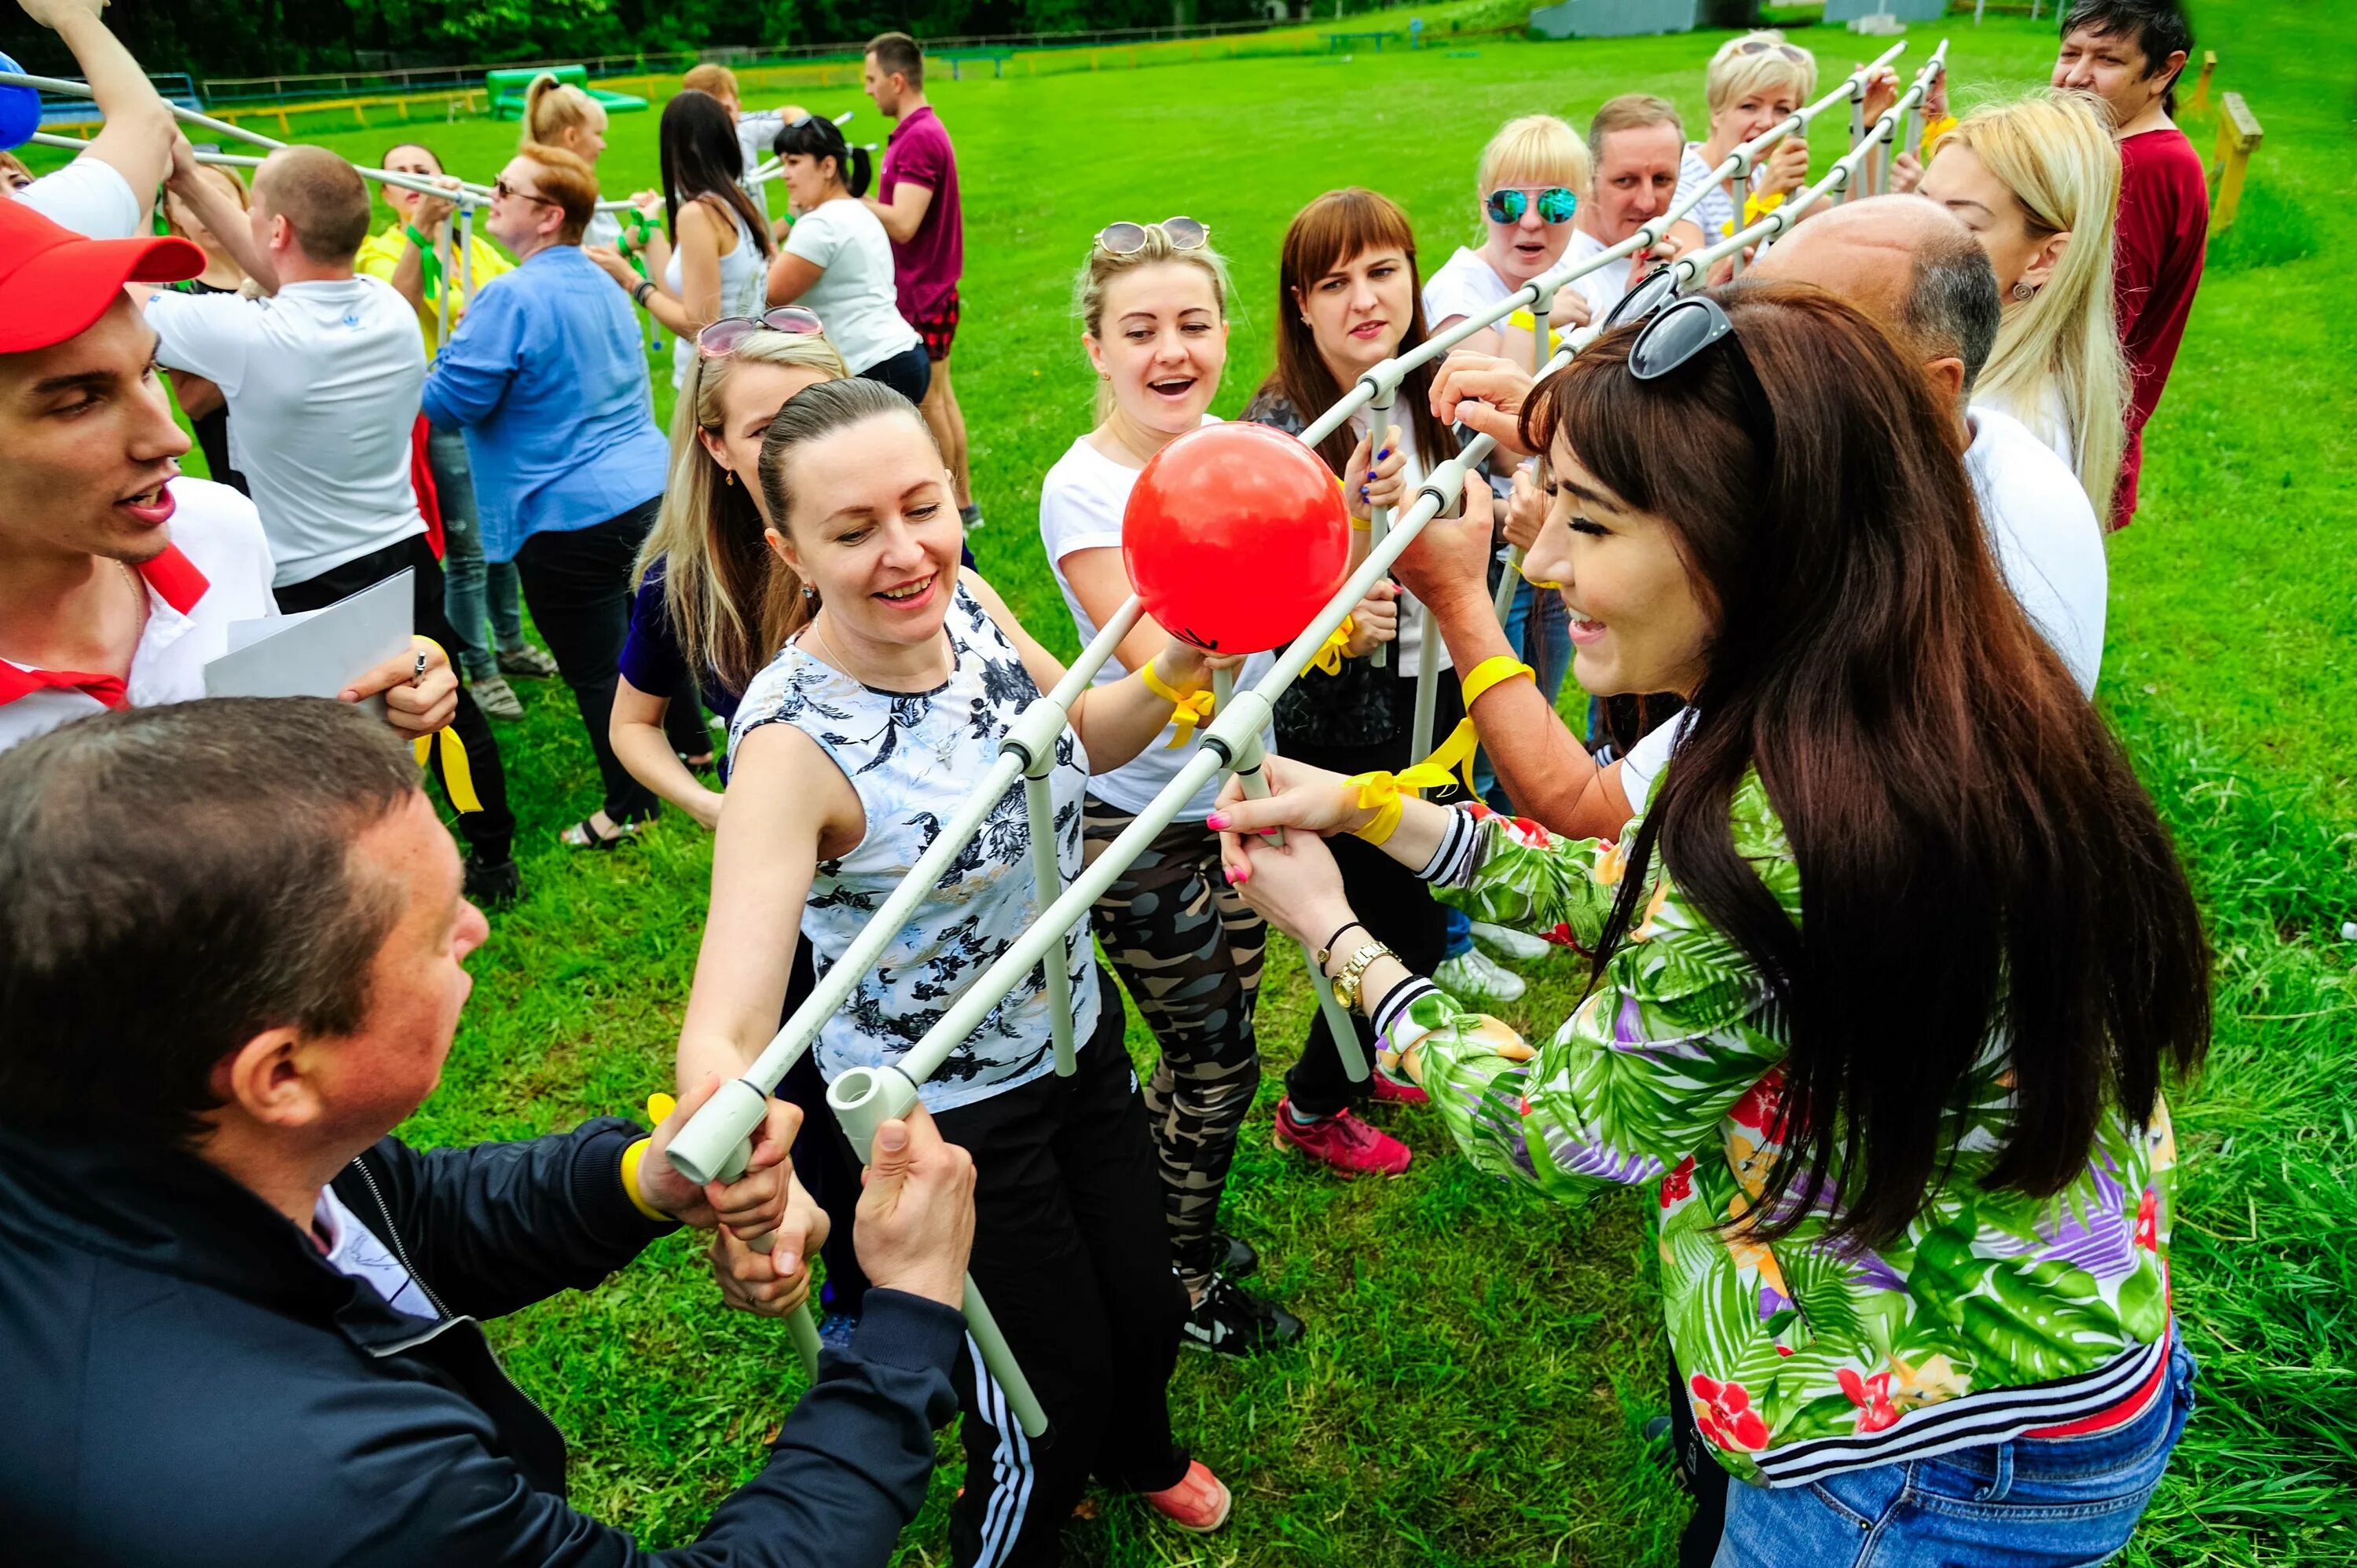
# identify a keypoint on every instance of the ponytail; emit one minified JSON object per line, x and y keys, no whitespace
{"x":551,"y":107}
{"x":861,"y":170}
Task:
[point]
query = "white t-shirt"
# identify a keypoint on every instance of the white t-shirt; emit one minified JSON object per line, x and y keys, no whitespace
{"x":1081,"y":507}
{"x":323,"y":382}
{"x":1465,"y":285}
{"x":2047,"y":539}
{"x":757,"y":137}
{"x":1602,"y":288}
{"x":354,"y":1252}
{"x":1716,"y":208}
{"x":2049,"y":422}
{"x":216,"y":570}
{"x":604,"y":229}
{"x":854,"y":296}
{"x":1640,"y":767}
{"x":89,"y":196}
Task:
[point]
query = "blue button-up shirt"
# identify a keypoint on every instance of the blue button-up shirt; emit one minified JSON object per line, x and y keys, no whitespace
{"x":547,"y":376}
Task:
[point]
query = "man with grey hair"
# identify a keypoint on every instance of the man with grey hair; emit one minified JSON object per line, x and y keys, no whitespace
{"x":1918,"y":271}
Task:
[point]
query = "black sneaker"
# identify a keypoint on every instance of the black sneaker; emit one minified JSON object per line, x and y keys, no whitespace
{"x":493,"y":886}
{"x":1237,"y":1260}
{"x":1232,"y":1321}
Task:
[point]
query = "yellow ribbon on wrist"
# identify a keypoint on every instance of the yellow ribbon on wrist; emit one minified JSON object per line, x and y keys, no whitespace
{"x":1755,"y":208}
{"x":1380,"y":792}
{"x":458,"y":775}
{"x":1189,"y":710}
{"x":1333,"y":651}
{"x":1530,"y":323}
{"x":631,"y":1158}
{"x":1492,"y":671}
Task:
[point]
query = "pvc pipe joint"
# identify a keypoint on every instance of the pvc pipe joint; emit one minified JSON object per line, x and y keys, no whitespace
{"x":863,"y":1098}
{"x":716,"y":1136}
{"x":1033,"y":735}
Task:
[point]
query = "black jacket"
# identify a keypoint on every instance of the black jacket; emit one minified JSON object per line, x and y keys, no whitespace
{"x":186,"y":1381}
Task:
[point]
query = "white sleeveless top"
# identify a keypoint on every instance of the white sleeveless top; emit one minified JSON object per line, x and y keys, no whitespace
{"x":911,"y":756}
{"x":744,"y":291}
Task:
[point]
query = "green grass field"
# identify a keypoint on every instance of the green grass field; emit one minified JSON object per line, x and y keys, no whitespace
{"x":1479,"y":1364}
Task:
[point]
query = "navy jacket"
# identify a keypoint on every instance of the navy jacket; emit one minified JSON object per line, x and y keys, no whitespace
{"x":187,"y":1382}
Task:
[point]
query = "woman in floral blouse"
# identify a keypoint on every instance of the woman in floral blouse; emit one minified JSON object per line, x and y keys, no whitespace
{"x":1883,"y":983}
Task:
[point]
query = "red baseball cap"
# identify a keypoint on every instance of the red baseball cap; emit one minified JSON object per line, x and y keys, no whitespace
{"x":56,"y":283}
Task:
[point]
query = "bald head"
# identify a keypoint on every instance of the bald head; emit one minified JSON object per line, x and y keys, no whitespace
{"x":321,"y":198}
{"x":1910,"y":265}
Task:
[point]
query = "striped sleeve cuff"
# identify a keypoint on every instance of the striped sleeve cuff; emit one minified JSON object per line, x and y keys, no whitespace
{"x":1392,"y":1027}
{"x":1452,"y":864}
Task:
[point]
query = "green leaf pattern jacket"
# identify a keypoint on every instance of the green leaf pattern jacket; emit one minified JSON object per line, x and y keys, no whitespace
{"x":1994,"y":1315}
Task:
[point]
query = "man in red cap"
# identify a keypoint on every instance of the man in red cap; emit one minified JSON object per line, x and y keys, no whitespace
{"x":119,"y":579}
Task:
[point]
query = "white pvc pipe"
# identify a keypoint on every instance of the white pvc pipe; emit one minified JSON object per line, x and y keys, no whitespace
{"x":1048,"y":880}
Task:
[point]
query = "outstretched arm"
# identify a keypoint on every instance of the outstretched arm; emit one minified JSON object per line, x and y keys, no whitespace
{"x":136,"y":140}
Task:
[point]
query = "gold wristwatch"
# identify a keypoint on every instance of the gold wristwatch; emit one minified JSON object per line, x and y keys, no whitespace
{"x":1354,"y":971}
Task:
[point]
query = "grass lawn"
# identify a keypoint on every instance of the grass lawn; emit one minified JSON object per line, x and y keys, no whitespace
{"x":1479,"y":1363}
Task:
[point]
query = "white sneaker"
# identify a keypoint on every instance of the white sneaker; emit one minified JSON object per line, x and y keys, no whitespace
{"x":1473,"y":978}
{"x":1516,"y":947}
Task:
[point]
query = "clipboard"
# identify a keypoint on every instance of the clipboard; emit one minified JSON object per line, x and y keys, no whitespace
{"x":317,"y":653}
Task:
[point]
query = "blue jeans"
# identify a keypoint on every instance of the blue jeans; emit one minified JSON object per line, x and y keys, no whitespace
{"x":1541,"y":640}
{"x":2030,"y":1503}
{"x":469,"y":584}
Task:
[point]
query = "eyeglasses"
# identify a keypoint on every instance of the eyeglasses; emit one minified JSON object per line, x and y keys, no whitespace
{"x":500,"y":188}
{"x":1126,"y":238}
{"x":1648,"y":295}
{"x":1556,"y":204}
{"x":1684,"y":329}
{"x":728,"y":334}
{"x":1761,"y":46}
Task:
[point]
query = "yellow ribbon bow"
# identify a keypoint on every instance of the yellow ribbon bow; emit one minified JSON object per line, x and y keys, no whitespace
{"x":1755,"y":208}
{"x":1336,"y":648}
{"x":456,"y":777}
{"x":1380,"y":792}
{"x":1189,"y":710}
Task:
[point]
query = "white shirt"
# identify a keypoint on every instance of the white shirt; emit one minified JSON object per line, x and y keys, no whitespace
{"x":2049,"y":422}
{"x":215,"y":571}
{"x":756,"y":137}
{"x":1641,"y":766}
{"x":1602,"y":288}
{"x":2045,"y":537}
{"x":1465,"y":285}
{"x":89,"y":196}
{"x":323,"y":382}
{"x":854,"y":296}
{"x":1081,"y":507}
{"x":744,"y":283}
{"x":1716,"y":209}
{"x":354,"y":1252}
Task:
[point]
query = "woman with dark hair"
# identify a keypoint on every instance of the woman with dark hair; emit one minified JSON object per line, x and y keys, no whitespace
{"x":1349,"y":297}
{"x":710,"y":258}
{"x":837,"y":258}
{"x":1885,"y":982}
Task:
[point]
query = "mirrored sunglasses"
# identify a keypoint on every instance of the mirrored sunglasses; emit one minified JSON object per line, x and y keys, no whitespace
{"x":1556,"y":204}
{"x":728,"y":335}
{"x":1761,"y":46}
{"x":1126,"y":238}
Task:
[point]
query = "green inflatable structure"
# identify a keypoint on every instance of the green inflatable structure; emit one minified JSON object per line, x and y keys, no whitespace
{"x":506,"y":89}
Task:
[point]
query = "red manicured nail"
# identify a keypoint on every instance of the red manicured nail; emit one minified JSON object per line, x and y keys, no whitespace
{"x":1217,"y":821}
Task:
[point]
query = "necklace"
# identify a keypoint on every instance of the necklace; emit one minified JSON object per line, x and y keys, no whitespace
{"x":834,"y":657}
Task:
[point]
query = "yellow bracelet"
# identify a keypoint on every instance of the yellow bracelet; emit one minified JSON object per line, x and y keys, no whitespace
{"x":631,"y":1158}
{"x":1380,"y":792}
{"x":1188,"y":710}
{"x":1494,"y":671}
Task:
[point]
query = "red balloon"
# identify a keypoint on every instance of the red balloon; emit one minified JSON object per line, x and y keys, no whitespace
{"x":1235,"y":536}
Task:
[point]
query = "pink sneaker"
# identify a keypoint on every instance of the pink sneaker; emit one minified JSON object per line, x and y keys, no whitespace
{"x":1200,"y":1502}
{"x":1385,"y":1090}
{"x":1344,"y":1142}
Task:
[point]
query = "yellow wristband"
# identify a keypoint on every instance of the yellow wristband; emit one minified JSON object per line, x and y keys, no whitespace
{"x":1496,"y":669}
{"x":631,"y":1158}
{"x":1188,"y":710}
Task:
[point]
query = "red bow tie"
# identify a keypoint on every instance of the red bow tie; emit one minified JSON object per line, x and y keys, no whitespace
{"x":109,"y":690}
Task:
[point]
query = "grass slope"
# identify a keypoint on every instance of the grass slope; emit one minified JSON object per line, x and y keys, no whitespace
{"x":1479,"y":1363}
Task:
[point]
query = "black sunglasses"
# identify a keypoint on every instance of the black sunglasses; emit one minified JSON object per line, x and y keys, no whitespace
{"x":1648,"y":295}
{"x":1685,"y":329}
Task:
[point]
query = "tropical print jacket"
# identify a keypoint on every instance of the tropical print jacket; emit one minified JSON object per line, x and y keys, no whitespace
{"x":1995,"y":1316}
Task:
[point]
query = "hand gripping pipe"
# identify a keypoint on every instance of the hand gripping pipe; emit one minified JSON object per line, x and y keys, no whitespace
{"x":1379,"y":519}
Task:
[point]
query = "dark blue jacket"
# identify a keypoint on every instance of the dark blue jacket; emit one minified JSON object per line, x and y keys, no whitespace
{"x":186,"y":1381}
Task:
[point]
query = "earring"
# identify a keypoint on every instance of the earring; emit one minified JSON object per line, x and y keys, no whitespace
{"x":732,"y":476}
{"x":810,"y":594}
{"x":2024,"y":293}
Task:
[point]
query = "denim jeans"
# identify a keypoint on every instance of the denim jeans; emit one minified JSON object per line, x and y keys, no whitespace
{"x":2030,"y":1503}
{"x":469,"y":584}
{"x":1541,"y":638}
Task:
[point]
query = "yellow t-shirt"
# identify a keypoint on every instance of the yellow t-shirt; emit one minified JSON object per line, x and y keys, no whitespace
{"x":381,"y":254}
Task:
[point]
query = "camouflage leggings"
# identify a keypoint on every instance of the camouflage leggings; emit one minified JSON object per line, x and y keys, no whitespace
{"x":1189,"y":951}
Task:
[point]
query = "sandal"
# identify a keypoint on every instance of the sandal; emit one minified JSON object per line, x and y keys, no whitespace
{"x":584,"y":834}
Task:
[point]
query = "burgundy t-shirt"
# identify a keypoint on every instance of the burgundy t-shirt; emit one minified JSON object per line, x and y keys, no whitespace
{"x":925,"y":269}
{"x":2163,"y":225}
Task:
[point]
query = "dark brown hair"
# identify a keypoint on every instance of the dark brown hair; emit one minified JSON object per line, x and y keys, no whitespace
{"x":1978,"y":865}
{"x":175,"y":881}
{"x":897,"y":52}
{"x":701,"y":160}
{"x":1330,"y":232}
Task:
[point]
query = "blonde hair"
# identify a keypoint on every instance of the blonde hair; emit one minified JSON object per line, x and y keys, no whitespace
{"x":716,"y":80}
{"x":1734,"y":74}
{"x":236,"y":185}
{"x":11,"y":164}
{"x":1537,"y":149}
{"x":1098,"y":273}
{"x":566,"y":179}
{"x":2055,"y":154}
{"x":552,"y":108}
{"x":720,"y":579}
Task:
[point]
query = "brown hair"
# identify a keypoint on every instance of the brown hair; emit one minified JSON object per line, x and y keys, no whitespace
{"x":1978,"y":865}
{"x":566,"y":179}
{"x":1629,"y":111}
{"x":1335,"y":229}
{"x":898,"y":54}
{"x":204,"y":851}
{"x":321,"y":195}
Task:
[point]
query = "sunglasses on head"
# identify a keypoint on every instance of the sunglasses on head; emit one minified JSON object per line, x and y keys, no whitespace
{"x":1126,"y":238}
{"x":728,"y":335}
{"x":1683,"y":330}
{"x":1556,"y":204}
{"x":1646,"y":296}
{"x":1760,"y":46}
{"x":500,"y":187}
